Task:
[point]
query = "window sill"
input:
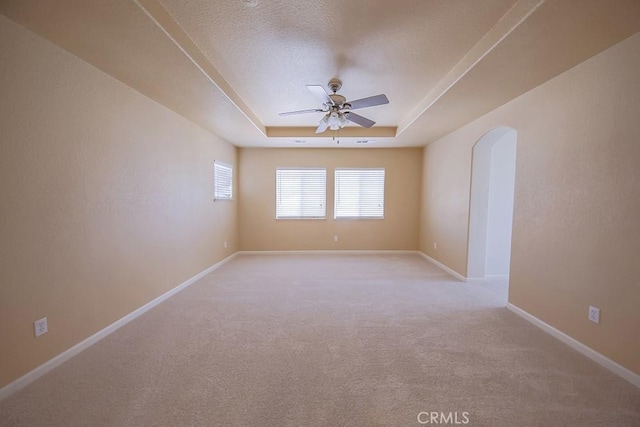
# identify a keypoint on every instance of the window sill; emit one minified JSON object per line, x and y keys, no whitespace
{"x":301,"y":218}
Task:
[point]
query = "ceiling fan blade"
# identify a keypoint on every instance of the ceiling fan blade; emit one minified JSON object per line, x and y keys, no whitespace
{"x":291,"y":113}
{"x":368,"y":102}
{"x":362,"y":121}
{"x":321,"y":94}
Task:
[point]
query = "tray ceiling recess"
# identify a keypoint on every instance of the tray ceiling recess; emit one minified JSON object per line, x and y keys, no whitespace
{"x":233,"y":66}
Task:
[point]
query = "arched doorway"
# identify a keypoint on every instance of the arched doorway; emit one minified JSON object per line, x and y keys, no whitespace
{"x":491,"y":204}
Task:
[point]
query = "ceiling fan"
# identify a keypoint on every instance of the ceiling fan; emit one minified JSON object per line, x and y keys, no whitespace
{"x":338,"y":110}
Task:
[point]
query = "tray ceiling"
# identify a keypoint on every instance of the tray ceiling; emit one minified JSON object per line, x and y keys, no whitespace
{"x":232,"y":66}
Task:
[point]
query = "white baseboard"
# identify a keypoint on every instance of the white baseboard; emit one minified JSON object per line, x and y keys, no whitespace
{"x":497,"y":276}
{"x":614,"y":367}
{"x":444,"y":267}
{"x":36,"y":373}
{"x":330,"y":252}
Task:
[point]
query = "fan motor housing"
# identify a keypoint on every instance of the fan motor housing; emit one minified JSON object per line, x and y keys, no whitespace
{"x":338,"y":100}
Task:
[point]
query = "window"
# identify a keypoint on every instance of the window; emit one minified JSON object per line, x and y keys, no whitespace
{"x":300,"y":193}
{"x":222,"y":181}
{"x":359,"y":193}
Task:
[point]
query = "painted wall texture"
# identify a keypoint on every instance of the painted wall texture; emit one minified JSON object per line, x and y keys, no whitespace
{"x":106,"y":200}
{"x":259,"y":230}
{"x":576,"y":233}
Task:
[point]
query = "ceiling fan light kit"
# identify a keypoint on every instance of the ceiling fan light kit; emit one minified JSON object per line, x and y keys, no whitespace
{"x":333,"y":120}
{"x":337,"y":109}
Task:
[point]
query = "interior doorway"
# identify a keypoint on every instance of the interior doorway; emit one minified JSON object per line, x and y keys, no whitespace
{"x":493,"y":170}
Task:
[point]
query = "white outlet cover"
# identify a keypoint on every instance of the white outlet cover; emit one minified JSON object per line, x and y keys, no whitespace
{"x":40,"y":327}
{"x":594,"y":314}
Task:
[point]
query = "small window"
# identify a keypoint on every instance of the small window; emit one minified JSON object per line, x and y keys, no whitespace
{"x":222,"y":181}
{"x":359,"y":193}
{"x":301,"y":193}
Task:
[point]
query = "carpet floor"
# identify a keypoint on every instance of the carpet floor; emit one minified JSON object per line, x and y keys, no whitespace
{"x":328,"y":340}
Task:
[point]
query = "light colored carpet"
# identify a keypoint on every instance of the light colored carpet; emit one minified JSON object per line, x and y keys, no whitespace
{"x":327,"y":340}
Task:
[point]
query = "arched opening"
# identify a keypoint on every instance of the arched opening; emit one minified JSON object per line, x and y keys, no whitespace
{"x":493,"y":170}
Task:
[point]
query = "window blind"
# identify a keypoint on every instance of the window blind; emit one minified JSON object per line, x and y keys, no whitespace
{"x":300,"y":193}
{"x":359,"y":193}
{"x":222,"y":181}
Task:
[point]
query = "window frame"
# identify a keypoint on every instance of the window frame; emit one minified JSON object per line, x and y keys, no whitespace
{"x":336,"y":194}
{"x":277,"y":193}
{"x":218,"y":165}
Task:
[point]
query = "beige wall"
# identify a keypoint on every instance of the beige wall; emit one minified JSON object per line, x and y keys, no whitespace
{"x":105,"y":200}
{"x":576,"y":235}
{"x":260,"y":231}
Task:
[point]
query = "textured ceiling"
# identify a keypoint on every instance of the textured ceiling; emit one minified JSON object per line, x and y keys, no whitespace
{"x":232,"y":68}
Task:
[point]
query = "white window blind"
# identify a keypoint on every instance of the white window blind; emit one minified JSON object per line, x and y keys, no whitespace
{"x":359,"y":193}
{"x":300,"y":193}
{"x":222,"y":181}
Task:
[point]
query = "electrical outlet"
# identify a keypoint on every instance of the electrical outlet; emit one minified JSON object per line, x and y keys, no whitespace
{"x":435,"y":245}
{"x":594,"y":314}
{"x":225,"y":245}
{"x":40,"y":327}
{"x":335,"y":238}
